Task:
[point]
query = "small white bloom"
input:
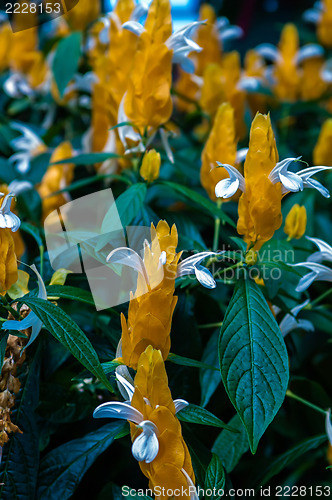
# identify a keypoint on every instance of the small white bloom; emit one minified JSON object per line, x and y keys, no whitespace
{"x":191,"y":265}
{"x":290,"y":321}
{"x":7,"y":218}
{"x":26,"y":145}
{"x":297,"y":181}
{"x":226,"y":188}
{"x":146,"y":446}
{"x":180,"y":42}
{"x":309,"y":51}
{"x":318,"y":272}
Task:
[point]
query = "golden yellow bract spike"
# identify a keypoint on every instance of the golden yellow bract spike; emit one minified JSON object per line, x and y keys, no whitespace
{"x":221,"y":146}
{"x":260,"y":206}
{"x":153,"y":399}
{"x":8,"y":261}
{"x":286,"y":72}
{"x":322,"y":154}
{"x":158,"y":23}
{"x":324,"y":28}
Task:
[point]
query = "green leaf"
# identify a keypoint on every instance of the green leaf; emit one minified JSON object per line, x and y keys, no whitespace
{"x":70,"y":292}
{"x":215,"y":477}
{"x":66,"y":60}
{"x":210,"y":374}
{"x":3,"y":346}
{"x":20,"y":460}
{"x":63,"y":468}
{"x":110,"y":366}
{"x":230,"y":446}
{"x":128,"y":204}
{"x":181,"y":360}
{"x":33,"y":231}
{"x":66,"y":331}
{"x":88,"y":159}
{"x":197,"y":415}
{"x":284,"y":460}
{"x":253,"y":360}
{"x":203,"y":202}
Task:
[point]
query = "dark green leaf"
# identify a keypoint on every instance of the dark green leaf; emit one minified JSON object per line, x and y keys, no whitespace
{"x":63,"y":468}
{"x":253,"y":359}
{"x":284,"y":460}
{"x":127,"y":205}
{"x":66,"y":331}
{"x":70,"y":292}
{"x":33,"y":231}
{"x":210,"y":377}
{"x":230,"y":446}
{"x":3,"y":346}
{"x":181,"y":360}
{"x":66,"y":59}
{"x":197,"y":415}
{"x":215,"y":477}
{"x":87,"y":159}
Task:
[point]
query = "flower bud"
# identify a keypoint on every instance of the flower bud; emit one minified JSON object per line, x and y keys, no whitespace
{"x":296,"y":222}
{"x":150,"y":166}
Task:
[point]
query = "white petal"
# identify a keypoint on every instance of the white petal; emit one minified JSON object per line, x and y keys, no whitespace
{"x":193,"y":491}
{"x":42,"y":294}
{"x":241,"y":155}
{"x":268,"y":51}
{"x":308,"y":52}
{"x":128,"y":257}
{"x":19,"y":187}
{"x":328,"y":426}
{"x":305,"y":282}
{"x":180,"y":404}
{"x":204,"y":276}
{"x":115,"y":409}
{"x":146,"y":446}
{"x":326,"y":73}
{"x":128,"y":387}
{"x":250,"y":84}
{"x":291,"y":182}
{"x":312,"y":16}
{"x":134,"y":27}
{"x":231,"y":33}
{"x":325,"y":250}
{"x":187,"y":266}
{"x":312,"y":183}
{"x":226,"y":188}
{"x":164,"y":135}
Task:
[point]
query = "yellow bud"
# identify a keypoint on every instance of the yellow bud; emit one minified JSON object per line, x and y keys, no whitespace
{"x":296,"y":222}
{"x":150,"y":166}
{"x":251,"y":258}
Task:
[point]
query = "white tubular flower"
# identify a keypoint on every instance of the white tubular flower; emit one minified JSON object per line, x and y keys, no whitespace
{"x":180,"y":42}
{"x":318,"y":272}
{"x":290,"y":321}
{"x":324,"y":251}
{"x":164,"y":135}
{"x":313,"y":15}
{"x":19,"y":187}
{"x":297,"y":181}
{"x":146,"y":446}
{"x":271,"y":53}
{"x":192,"y":488}
{"x":191,"y":265}
{"x":227,"y":31}
{"x":226,"y":188}
{"x":16,"y":86}
{"x":7,"y":218}
{"x":32,"y":320}
{"x":328,"y":425}
{"x":26,"y":145}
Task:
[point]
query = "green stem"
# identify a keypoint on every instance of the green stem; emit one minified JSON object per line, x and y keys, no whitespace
{"x":319,"y":299}
{"x":216,"y":234}
{"x":41,"y":253}
{"x":209,"y":325}
{"x":290,"y":394}
{"x":9,"y":308}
